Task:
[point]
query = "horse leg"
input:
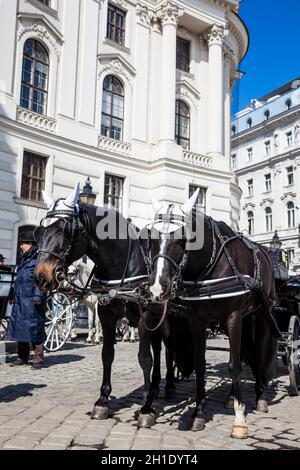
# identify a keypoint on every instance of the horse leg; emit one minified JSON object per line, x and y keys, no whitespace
{"x":98,"y":329}
{"x":156,"y":377}
{"x":234,"y":326}
{"x":198,"y":332}
{"x":90,"y":324}
{"x":170,"y":379}
{"x":108,"y":321}
{"x":146,"y":417}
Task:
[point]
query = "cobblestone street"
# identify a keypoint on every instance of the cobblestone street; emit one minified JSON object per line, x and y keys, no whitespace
{"x":49,"y":408}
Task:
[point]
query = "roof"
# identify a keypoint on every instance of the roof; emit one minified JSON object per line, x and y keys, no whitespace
{"x":281,"y":90}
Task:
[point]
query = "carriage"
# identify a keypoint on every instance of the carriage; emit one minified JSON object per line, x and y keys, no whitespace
{"x":287,"y":314}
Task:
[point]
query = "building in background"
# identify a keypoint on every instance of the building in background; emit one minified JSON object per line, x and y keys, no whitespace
{"x":134,"y":94}
{"x":266,"y":160}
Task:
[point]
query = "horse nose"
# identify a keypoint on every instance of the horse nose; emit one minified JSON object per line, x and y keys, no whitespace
{"x":42,"y":282}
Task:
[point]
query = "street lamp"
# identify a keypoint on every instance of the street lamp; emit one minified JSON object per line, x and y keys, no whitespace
{"x":87,"y":196}
{"x":275,"y":243}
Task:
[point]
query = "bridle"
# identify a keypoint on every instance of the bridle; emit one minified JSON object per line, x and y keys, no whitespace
{"x":182,"y":222}
{"x":71,"y":229}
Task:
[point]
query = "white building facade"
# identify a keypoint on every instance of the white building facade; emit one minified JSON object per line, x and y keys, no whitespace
{"x":266,"y":160}
{"x":134,"y":94}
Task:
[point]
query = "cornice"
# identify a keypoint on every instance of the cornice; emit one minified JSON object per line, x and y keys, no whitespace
{"x":272,"y":123}
{"x":270,"y":162}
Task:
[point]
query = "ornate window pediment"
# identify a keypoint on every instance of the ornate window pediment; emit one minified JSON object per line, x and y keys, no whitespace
{"x":288,"y":195}
{"x":266,"y":201}
{"x":116,"y":64}
{"x":39,"y":26}
{"x":186,"y":92}
{"x":249,"y":205}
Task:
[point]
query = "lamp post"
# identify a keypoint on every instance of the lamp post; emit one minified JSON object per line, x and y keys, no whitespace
{"x":275,"y":243}
{"x":87,"y":196}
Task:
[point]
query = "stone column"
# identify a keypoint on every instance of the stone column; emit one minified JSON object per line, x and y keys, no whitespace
{"x":215,"y":37}
{"x":227,"y":105}
{"x":169,"y":14}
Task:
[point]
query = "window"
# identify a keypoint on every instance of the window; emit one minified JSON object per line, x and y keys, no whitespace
{"x":233,"y":130}
{"x":183,"y":54}
{"x":116,"y":25}
{"x":250,"y":217}
{"x":33,"y":176}
{"x":113,"y":191}
{"x":291,"y":256}
{"x":182,"y":124}
{"x":289,"y":138}
{"x":290,"y":175}
{"x":250,"y":187}
{"x":268,"y":147}
{"x":268,"y":182}
{"x":291,"y":214}
{"x":249,"y":123}
{"x":201,"y":199}
{"x":250,"y":154}
{"x":288,"y":103}
{"x":112,"y":108}
{"x":46,"y":2}
{"x":233,"y":160}
{"x":269,"y":219}
{"x":35,"y":71}
{"x":267,"y":113}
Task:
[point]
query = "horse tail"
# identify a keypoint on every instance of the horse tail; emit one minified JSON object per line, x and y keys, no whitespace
{"x":268,"y":313}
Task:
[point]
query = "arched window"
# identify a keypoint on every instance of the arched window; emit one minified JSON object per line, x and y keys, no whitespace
{"x":249,"y":122}
{"x":288,"y":103}
{"x":250,"y":217}
{"x":267,"y":113}
{"x":233,"y":130}
{"x":35,"y":72}
{"x":291,"y":214}
{"x":182,"y":124}
{"x":269,"y":219}
{"x":112,"y":119}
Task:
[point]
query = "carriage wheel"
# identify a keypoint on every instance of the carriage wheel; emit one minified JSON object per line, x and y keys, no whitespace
{"x":59,"y":321}
{"x":294,"y":356}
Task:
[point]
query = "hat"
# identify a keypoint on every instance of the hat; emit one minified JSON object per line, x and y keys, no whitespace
{"x":26,"y":236}
{"x":2,"y":258}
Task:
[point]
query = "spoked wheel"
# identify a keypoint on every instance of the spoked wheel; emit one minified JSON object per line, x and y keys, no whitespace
{"x":59,"y":321}
{"x":294,"y":356}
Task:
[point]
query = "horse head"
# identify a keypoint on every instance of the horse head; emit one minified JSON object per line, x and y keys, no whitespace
{"x":168,"y":238}
{"x":60,"y":241}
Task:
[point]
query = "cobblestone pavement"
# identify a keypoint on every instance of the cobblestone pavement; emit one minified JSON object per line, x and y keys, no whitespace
{"x":49,"y":408}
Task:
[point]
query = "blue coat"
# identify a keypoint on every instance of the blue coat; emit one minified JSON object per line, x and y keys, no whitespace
{"x":27,"y":320}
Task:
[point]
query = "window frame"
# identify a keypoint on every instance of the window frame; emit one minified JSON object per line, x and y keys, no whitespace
{"x":268,"y":182}
{"x":268,"y":147}
{"x":183,"y":60}
{"x":289,"y":138}
{"x":291,"y":214}
{"x":111,"y":196}
{"x":178,"y":120}
{"x":290,"y":175}
{"x":112,"y":36}
{"x":32,"y":86}
{"x":250,"y":154}
{"x":250,"y":221}
{"x":250,"y":187}
{"x":111,"y":117}
{"x":202,"y":194}
{"x":269,"y":219}
{"x":26,"y":187}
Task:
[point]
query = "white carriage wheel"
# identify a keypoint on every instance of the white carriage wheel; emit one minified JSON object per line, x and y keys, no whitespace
{"x":59,"y":321}
{"x":294,"y":355}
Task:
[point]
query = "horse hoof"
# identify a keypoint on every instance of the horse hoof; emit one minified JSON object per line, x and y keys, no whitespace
{"x":262,"y":406}
{"x":170,"y":392}
{"x":96,"y":342}
{"x":146,"y":420}
{"x":229,"y":404}
{"x":239,"y":432}
{"x":100,"y":412}
{"x":198,"y":423}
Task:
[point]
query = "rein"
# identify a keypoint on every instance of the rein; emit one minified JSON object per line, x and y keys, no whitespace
{"x":162,"y":318}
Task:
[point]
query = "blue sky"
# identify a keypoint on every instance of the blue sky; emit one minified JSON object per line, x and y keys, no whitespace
{"x":273,"y":57}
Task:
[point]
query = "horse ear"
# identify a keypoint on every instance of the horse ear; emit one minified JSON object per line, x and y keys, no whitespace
{"x":47,"y":200}
{"x":155,"y":203}
{"x":73,"y":198}
{"x":188,"y":206}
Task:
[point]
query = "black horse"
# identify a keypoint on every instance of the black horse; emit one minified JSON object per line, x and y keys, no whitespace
{"x":245,"y":286}
{"x":71,"y":230}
